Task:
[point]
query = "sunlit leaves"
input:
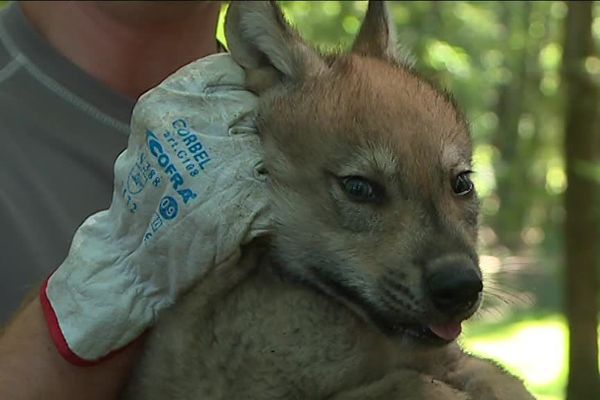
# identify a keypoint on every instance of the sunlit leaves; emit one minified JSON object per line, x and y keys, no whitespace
{"x":550,"y":56}
{"x":442,"y":56}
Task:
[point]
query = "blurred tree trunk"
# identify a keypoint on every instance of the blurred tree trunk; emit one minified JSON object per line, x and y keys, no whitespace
{"x":582,"y":226}
{"x":511,"y":174}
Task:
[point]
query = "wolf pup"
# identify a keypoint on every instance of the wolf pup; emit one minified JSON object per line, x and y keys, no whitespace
{"x":361,"y":291}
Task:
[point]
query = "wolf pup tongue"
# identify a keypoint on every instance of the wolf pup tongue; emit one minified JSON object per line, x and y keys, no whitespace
{"x":449,"y":331}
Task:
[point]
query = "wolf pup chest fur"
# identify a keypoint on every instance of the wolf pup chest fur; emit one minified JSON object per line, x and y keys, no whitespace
{"x":371,"y":268}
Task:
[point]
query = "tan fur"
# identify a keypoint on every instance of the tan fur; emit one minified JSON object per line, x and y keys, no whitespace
{"x":324,"y":310}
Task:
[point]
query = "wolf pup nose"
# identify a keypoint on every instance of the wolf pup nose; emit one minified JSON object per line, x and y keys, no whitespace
{"x":454,"y":288}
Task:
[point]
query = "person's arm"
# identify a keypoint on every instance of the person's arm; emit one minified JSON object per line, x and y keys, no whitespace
{"x":32,"y":369}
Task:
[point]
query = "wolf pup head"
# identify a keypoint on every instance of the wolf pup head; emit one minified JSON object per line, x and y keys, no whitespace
{"x":369,"y":167}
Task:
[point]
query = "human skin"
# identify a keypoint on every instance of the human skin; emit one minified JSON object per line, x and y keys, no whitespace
{"x":130,"y":47}
{"x":31,"y":368}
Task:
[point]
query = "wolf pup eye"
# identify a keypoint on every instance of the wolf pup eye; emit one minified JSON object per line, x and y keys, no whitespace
{"x":463,"y":185}
{"x":361,"y":190}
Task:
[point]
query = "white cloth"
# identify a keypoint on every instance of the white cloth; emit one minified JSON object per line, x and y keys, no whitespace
{"x":188,"y":193}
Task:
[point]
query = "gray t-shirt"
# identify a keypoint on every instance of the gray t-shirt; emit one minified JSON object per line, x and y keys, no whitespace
{"x":60,"y":133}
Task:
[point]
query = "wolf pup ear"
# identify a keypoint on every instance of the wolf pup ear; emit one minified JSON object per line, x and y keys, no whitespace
{"x":377,"y":36}
{"x":266,"y":46}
